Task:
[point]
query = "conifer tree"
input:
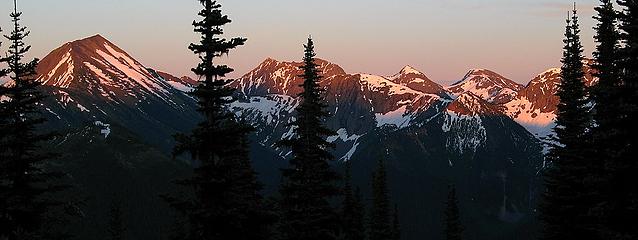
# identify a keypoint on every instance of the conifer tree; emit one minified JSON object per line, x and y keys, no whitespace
{"x":3,"y":60}
{"x":396,"y":227}
{"x":226,"y":202}
{"x":453,"y":226}
{"x":567,"y":199}
{"x":607,"y":115}
{"x":116,"y":222}
{"x":3,"y":74}
{"x":352,"y":209}
{"x":24,"y":183}
{"x":624,"y":201}
{"x":605,"y":93}
{"x":380,"y":222}
{"x":309,"y":183}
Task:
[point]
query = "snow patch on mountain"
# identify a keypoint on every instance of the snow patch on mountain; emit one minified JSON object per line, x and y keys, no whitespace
{"x":4,"y":98}
{"x":269,"y":108}
{"x":399,"y":118}
{"x":342,"y":134}
{"x":539,"y":123}
{"x":486,"y":84}
{"x":351,"y":152}
{"x":381,"y":84}
{"x":466,"y":133}
{"x":131,"y":71}
{"x":409,"y":70}
{"x":66,"y":78}
{"x":181,"y":86}
{"x":82,"y":108}
{"x":105,"y":129}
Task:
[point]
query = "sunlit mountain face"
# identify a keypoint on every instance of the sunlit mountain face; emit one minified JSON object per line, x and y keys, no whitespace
{"x":483,"y":132}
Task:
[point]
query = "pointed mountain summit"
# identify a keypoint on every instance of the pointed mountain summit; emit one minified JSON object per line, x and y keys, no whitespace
{"x":96,"y":65}
{"x":277,"y":77}
{"x":92,"y":79}
{"x":488,"y":85}
{"x":409,"y":70}
{"x":417,"y":80}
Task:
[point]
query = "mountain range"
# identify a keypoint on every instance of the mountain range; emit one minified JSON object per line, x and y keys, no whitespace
{"x":484,"y":133}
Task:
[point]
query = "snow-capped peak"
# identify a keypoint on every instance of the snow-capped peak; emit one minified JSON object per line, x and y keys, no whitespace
{"x":97,"y":66}
{"x":278,"y":77}
{"x":409,"y":70}
{"x":488,"y":85}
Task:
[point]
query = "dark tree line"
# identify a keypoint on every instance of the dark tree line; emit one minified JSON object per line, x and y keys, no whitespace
{"x":592,"y":185}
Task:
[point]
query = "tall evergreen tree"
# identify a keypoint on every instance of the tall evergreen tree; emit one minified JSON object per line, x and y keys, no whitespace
{"x":453,"y":225}
{"x":624,"y":167}
{"x":396,"y":227}
{"x":116,"y":226}
{"x":352,"y":209}
{"x":567,"y":201}
{"x":3,"y":71}
{"x":309,"y":183}
{"x":608,"y":111}
{"x":226,"y":201}
{"x":3,"y":74}
{"x":24,"y":183}
{"x":380,"y":222}
{"x":605,"y":93}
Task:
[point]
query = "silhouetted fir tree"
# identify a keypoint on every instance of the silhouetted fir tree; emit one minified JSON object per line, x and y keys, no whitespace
{"x":607,"y":115}
{"x":24,"y":183}
{"x":3,"y":74}
{"x":453,"y":225}
{"x":3,"y":60}
{"x":225,"y":201}
{"x":352,"y":210}
{"x":605,"y":93}
{"x":623,"y":169}
{"x":567,"y":202}
{"x":309,"y":183}
{"x":380,"y":222}
{"x":116,"y":226}
{"x":396,"y":227}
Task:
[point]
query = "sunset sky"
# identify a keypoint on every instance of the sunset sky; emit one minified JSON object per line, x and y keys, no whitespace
{"x":517,"y":38}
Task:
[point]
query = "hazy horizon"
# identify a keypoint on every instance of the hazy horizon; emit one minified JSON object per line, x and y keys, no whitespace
{"x":524,"y":37}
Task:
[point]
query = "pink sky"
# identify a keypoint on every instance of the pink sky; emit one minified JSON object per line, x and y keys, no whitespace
{"x":444,"y":39}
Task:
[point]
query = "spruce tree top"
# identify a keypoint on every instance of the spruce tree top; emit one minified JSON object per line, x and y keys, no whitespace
{"x":3,"y":72}
{"x":211,"y":44}
{"x":629,"y":32}
{"x":213,"y":93}
{"x":309,"y":182}
{"x":573,"y":118}
{"x":605,"y":93}
{"x":310,"y":142}
{"x":21,"y":71}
